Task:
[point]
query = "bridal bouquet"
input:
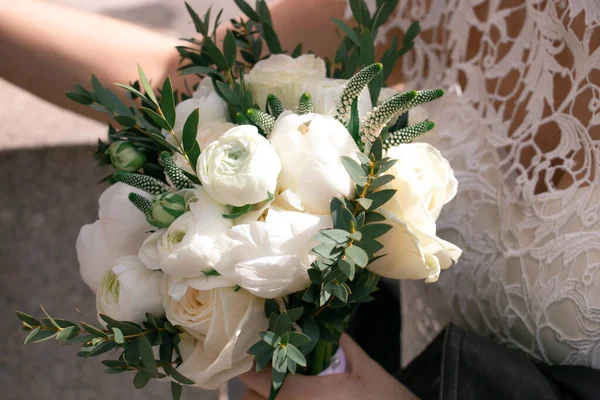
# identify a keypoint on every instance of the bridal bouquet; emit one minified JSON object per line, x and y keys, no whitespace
{"x":247,"y":219}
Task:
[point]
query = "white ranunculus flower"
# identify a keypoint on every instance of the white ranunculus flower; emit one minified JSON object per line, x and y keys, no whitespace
{"x":285,"y":77}
{"x":221,"y":324}
{"x":424,"y":183}
{"x":207,"y":134}
{"x":310,"y":147}
{"x":129,"y":290}
{"x":239,"y":168}
{"x":326,"y":93}
{"x":270,"y":259}
{"x":185,"y":249}
{"x":119,"y":231}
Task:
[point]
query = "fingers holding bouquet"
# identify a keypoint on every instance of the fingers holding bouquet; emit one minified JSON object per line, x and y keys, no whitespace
{"x":364,"y":379}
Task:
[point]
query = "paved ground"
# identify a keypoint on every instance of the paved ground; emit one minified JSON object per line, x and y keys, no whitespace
{"x":46,"y":194}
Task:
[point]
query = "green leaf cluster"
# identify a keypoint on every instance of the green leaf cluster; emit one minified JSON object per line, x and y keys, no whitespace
{"x":134,"y":342}
{"x":357,"y":49}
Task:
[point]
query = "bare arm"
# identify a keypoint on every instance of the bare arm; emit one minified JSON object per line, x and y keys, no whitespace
{"x":46,"y":49}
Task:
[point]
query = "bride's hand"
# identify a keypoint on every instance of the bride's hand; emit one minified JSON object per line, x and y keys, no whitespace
{"x":364,"y":380}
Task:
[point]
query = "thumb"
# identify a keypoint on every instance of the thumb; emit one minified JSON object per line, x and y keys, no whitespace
{"x":356,"y":358}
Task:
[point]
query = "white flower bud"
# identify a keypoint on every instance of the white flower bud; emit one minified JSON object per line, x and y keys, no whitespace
{"x":166,"y":207}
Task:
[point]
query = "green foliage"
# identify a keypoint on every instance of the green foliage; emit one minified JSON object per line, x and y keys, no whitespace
{"x":175,"y":175}
{"x":135,"y":343}
{"x":357,"y":50}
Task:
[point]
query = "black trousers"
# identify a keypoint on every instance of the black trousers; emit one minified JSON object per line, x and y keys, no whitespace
{"x":460,"y":365}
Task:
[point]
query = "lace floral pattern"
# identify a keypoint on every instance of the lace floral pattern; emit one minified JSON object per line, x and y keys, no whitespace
{"x":521,"y":127}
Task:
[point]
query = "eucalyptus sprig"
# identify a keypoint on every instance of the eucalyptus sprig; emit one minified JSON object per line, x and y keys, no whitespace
{"x":135,"y":343}
{"x":357,"y":49}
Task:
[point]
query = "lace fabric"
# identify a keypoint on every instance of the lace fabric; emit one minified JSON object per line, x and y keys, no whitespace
{"x":520,"y":125}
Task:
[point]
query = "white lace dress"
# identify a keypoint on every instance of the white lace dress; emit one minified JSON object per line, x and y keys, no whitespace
{"x":520,"y":125}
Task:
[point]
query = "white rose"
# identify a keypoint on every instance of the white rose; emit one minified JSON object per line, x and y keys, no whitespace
{"x":424,"y":183}
{"x":119,"y":231}
{"x":270,"y":259}
{"x":239,"y":168}
{"x":212,"y":107}
{"x":129,"y":290}
{"x":285,"y":77}
{"x":326,"y":93}
{"x":310,"y":147}
{"x":185,"y":249}
{"x":221,"y":325}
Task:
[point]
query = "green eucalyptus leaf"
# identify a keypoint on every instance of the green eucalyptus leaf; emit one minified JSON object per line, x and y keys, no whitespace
{"x":311,"y":329}
{"x":358,"y":11}
{"x":128,"y":328}
{"x":172,"y":372}
{"x":260,"y":347}
{"x":28,"y":319}
{"x":271,"y":39}
{"x":176,"y":389}
{"x":68,"y":333}
{"x":373,"y":231}
{"x":263,"y":12}
{"x":295,"y":313}
{"x":190,"y":131}
{"x":146,"y":85}
{"x":147,"y":356}
{"x":118,"y":335}
{"x":270,"y":338}
{"x":201,"y":28}
{"x":347,"y":30}
{"x":280,"y":359}
{"x":332,"y":236}
{"x":347,"y":267}
{"x":228,"y":94}
{"x":80,"y":98}
{"x":140,"y":379}
{"x":168,"y":102}
{"x":94,"y":331}
{"x":215,"y":54}
{"x":248,"y":10}
{"x":341,"y":292}
{"x":381,"y":197}
{"x":365,"y":203}
{"x":298,"y":339}
{"x":160,"y":121}
{"x":357,"y":255}
{"x":294,"y":354}
{"x":283,"y":324}
{"x":230,"y":49}
{"x":370,"y":246}
{"x":373,"y":216}
{"x":197,"y":69}
{"x":237,"y":212}
{"x":354,"y":170}
{"x":297,"y":52}
{"x":381,"y":181}
{"x":271,"y":307}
